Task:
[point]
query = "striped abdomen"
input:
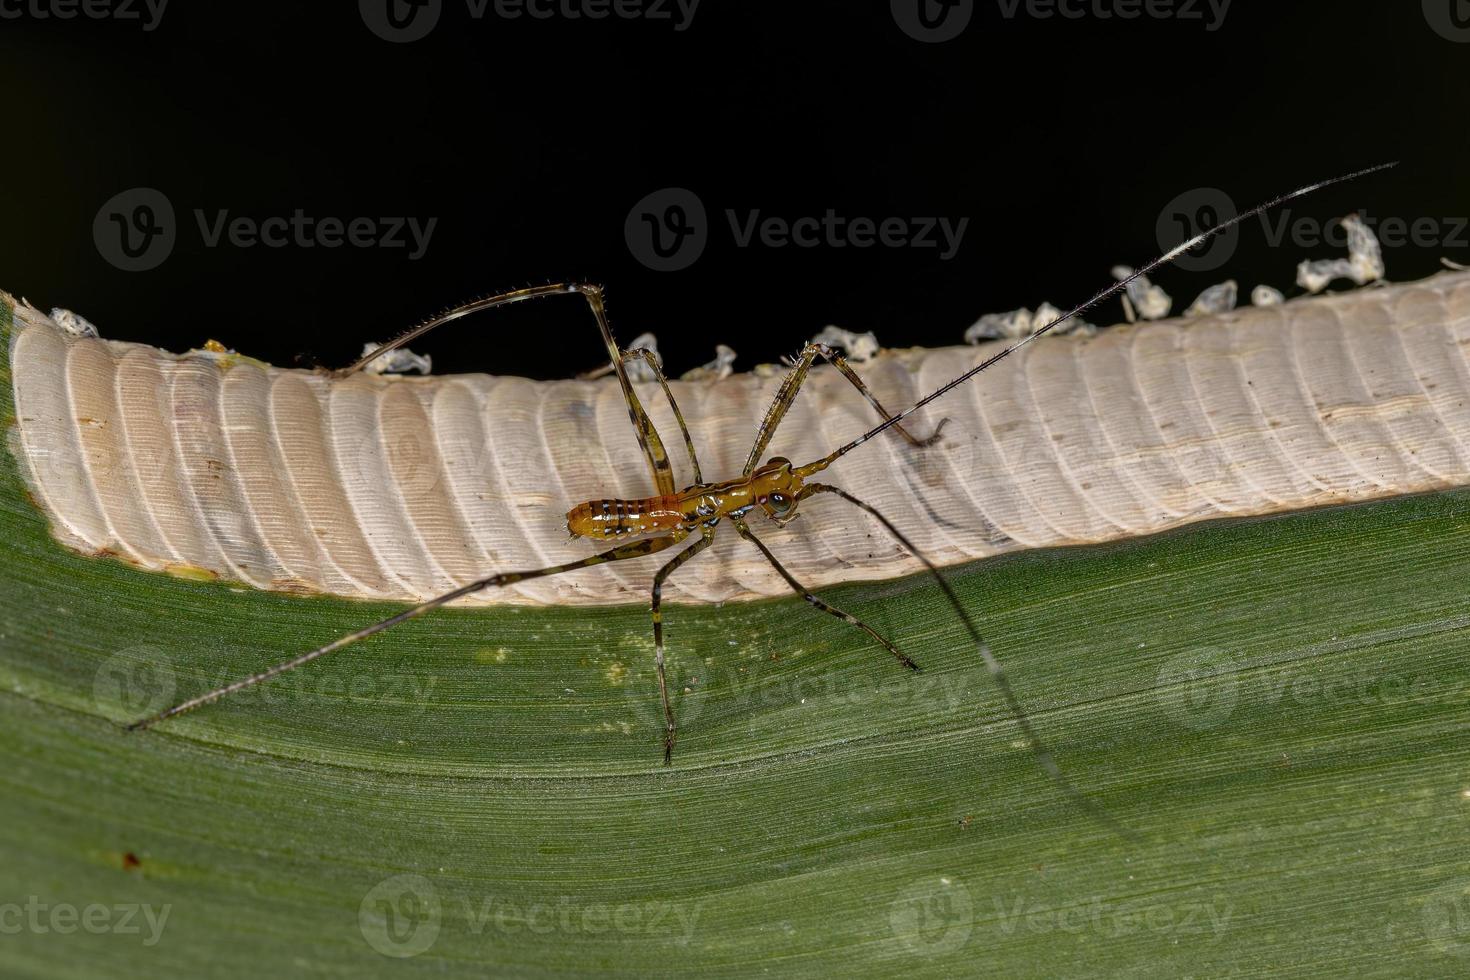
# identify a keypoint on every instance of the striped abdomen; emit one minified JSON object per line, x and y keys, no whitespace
{"x":607,"y":518}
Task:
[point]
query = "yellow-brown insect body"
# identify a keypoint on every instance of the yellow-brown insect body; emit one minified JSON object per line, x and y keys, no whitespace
{"x":609,"y":517}
{"x":773,"y":487}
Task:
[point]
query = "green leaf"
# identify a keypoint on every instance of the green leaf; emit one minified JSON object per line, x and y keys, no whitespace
{"x":1276,"y":707}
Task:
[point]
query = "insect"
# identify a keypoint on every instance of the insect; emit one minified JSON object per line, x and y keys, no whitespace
{"x":687,"y":519}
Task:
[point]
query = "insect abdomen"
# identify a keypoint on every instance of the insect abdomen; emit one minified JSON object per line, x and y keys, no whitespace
{"x":608,"y":518}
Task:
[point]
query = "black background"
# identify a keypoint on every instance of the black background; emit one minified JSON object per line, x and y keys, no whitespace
{"x":1060,"y":139}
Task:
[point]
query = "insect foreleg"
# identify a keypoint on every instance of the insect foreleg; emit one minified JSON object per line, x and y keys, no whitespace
{"x":633,"y":549}
{"x":1038,"y":747}
{"x":706,"y":539}
{"x":648,"y":438}
{"x":786,"y":395}
{"x":816,"y":601}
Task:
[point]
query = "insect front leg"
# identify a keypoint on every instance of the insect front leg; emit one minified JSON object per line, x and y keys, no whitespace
{"x":707,"y":538}
{"x":787,"y":395}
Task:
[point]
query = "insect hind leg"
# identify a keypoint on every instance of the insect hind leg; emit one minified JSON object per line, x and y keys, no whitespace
{"x":633,"y":549}
{"x":655,"y":607}
{"x":819,"y":603}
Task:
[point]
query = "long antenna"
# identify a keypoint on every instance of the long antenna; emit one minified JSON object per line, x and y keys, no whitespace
{"x":1101,"y":295}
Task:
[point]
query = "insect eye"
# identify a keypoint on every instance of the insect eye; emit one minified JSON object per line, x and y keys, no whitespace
{"x":780,"y":503}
